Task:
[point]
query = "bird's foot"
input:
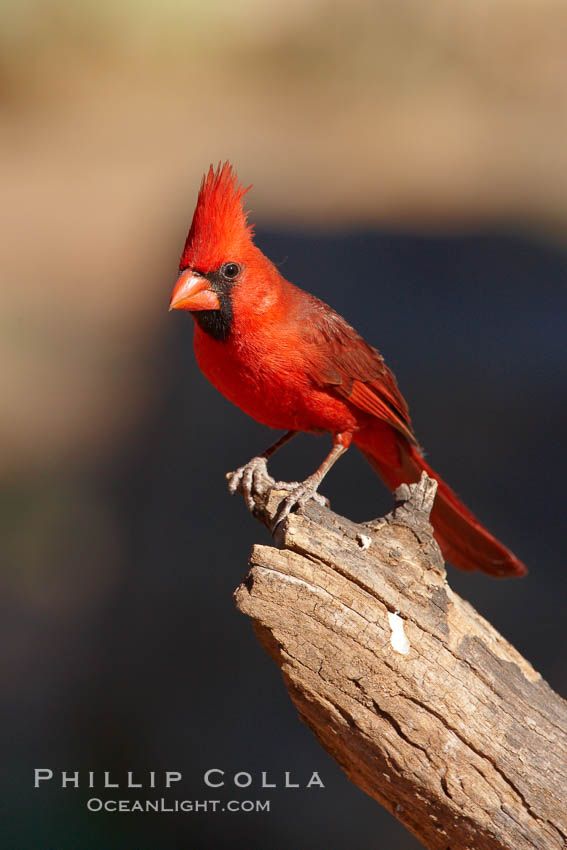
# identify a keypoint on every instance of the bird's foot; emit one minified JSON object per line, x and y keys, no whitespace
{"x":295,"y":485}
{"x":300,"y":493}
{"x":252,"y":478}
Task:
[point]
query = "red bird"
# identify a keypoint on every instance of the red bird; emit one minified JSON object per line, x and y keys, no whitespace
{"x":291,"y":362}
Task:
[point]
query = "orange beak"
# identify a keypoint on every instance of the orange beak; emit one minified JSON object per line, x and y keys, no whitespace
{"x":192,"y":292}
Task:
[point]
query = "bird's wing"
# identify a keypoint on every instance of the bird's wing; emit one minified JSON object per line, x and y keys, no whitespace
{"x":340,"y":358}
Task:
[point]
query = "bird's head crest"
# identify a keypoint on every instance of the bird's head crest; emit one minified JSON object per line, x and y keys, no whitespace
{"x":219,"y":230}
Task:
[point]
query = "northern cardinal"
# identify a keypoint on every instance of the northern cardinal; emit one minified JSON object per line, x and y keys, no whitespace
{"x":291,"y":362}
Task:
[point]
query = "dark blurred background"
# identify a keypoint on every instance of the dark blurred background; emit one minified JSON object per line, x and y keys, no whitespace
{"x":409,"y":167}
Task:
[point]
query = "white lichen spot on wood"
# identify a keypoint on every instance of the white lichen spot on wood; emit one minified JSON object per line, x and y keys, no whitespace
{"x":363,"y":540}
{"x":398,"y":638}
{"x":450,"y":746}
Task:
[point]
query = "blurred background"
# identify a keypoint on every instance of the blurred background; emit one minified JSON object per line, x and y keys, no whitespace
{"x":409,"y":167}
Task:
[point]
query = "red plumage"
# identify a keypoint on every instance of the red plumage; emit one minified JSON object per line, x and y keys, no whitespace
{"x":291,"y":362}
{"x":219,"y":221}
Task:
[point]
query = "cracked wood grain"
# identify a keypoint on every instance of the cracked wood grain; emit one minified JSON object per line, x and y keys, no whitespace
{"x":416,"y":696}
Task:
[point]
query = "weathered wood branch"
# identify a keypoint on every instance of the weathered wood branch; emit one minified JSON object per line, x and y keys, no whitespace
{"x":417,"y":697}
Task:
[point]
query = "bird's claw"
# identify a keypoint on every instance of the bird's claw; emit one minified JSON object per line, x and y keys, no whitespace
{"x":252,"y":478}
{"x":295,"y":485}
{"x":300,"y":493}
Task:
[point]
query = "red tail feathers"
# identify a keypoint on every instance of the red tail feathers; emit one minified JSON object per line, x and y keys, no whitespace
{"x":463,"y":540}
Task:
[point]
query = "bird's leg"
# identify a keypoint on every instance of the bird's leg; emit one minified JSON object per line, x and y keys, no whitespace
{"x":302,"y":492}
{"x":253,"y":477}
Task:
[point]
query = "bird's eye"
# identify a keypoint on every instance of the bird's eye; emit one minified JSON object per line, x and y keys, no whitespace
{"x":230,"y":271}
